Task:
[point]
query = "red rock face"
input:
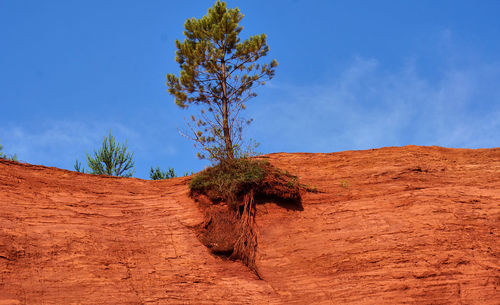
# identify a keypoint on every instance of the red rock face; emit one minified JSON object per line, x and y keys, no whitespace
{"x":410,"y":225}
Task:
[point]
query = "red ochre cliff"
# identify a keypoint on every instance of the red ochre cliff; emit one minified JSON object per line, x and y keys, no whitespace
{"x":408,"y":225}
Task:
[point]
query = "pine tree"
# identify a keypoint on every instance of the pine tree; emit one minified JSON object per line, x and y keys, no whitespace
{"x":218,"y":72}
{"x":111,"y":159}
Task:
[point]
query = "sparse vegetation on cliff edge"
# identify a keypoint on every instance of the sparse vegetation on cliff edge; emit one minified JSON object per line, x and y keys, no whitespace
{"x":231,"y":187}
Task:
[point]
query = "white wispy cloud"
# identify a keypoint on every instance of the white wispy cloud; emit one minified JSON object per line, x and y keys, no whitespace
{"x":56,"y":142}
{"x":367,"y":106}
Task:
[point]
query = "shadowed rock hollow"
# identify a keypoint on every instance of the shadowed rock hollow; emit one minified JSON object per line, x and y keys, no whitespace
{"x":409,"y":225}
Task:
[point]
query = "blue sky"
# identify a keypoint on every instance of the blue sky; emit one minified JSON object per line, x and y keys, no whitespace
{"x":352,"y":75}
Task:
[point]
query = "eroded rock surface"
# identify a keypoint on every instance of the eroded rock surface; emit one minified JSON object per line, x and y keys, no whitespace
{"x":409,"y":225}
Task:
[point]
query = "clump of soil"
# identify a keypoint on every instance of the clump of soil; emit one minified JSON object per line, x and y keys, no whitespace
{"x":219,"y":231}
{"x":227,"y":193}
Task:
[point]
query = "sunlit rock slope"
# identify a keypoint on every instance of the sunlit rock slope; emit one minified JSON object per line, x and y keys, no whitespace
{"x":408,"y":225}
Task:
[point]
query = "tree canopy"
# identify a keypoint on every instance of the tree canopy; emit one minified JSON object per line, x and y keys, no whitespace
{"x":219,"y":72}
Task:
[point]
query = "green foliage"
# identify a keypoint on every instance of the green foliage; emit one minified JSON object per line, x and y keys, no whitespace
{"x":293,"y":181}
{"x":218,"y":72}
{"x":111,"y":159}
{"x":158,"y":174}
{"x":230,"y":180}
{"x":7,"y":157}
{"x":78,"y":166}
{"x":227,"y":180}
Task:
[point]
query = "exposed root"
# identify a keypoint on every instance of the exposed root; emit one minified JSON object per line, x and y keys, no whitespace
{"x":232,"y":233}
{"x":227,"y":194}
{"x":245,"y":247}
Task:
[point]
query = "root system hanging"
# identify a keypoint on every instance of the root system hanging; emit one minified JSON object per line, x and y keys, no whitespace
{"x":245,"y":247}
{"x":227,"y":195}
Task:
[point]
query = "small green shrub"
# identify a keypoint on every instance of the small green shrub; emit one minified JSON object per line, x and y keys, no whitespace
{"x":111,"y":159}
{"x":158,"y":174}
{"x":7,"y":157}
{"x":229,"y":179}
{"x":78,"y":167}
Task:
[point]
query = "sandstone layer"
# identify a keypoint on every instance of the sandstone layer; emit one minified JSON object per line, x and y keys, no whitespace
{"x":407,"y":225}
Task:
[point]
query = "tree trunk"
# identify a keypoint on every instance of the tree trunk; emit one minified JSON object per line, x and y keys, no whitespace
{"x":225,"y":118}
{"x":227,"y":135}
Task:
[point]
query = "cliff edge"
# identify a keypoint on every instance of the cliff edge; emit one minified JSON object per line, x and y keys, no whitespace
{"x":402,"y":225}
